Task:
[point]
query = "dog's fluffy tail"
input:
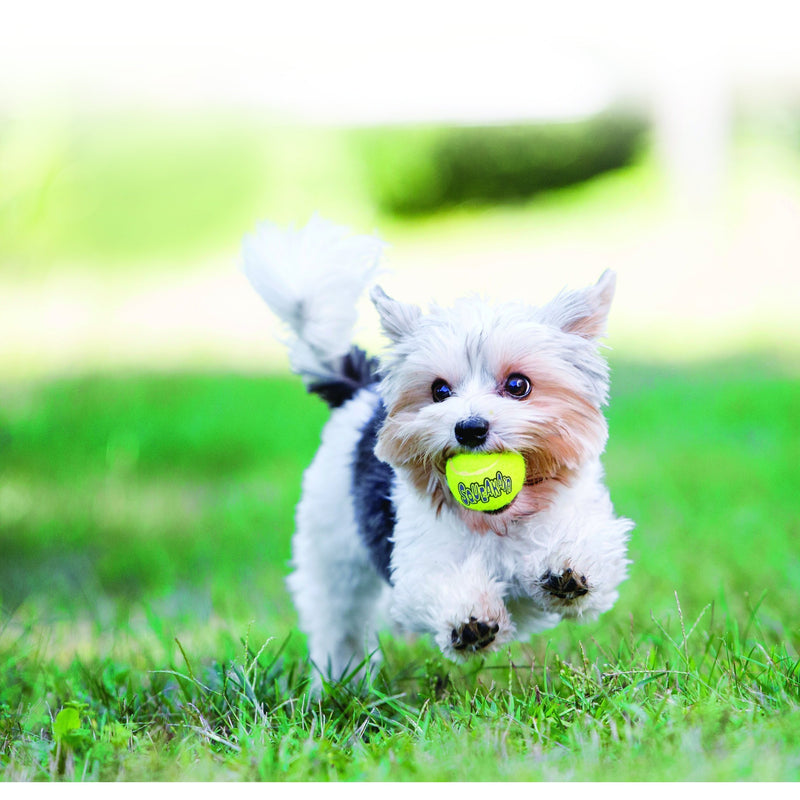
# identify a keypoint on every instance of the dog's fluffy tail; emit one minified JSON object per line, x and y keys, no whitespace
{"x":311,"y":278}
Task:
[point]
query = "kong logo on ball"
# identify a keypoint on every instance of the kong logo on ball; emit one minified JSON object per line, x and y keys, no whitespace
{"x":485,"y":481}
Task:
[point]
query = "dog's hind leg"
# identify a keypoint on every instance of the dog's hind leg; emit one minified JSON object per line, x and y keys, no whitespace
{"x":336,"y":594}
{"x":336,"y":589}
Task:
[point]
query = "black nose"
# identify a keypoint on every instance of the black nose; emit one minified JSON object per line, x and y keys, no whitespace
{"x":472,"y":432}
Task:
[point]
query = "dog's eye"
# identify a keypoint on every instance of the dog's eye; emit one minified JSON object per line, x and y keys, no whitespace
{"x":517,"y":386}
{"x":440,"y":390}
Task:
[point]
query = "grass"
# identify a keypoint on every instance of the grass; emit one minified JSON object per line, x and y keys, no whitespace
{"x":145,"y":524}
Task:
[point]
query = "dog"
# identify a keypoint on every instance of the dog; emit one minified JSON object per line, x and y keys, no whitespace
{"x":379,"y":534}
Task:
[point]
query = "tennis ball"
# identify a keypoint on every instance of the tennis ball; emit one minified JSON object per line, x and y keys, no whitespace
{"x":485,"y":481}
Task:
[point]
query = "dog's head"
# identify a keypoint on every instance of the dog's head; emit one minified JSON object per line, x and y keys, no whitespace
{"x":480,"y":378}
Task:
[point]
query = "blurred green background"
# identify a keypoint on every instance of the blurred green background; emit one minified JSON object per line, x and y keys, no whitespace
{"x":151,"y":443}
{"x":127,"y":192}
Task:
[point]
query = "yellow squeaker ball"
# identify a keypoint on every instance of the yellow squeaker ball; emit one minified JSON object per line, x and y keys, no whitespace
{"x":485,"y":481}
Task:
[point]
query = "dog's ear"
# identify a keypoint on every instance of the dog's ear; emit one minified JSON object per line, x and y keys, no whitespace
{"x":583,"y":312}
{"x":397,"y":319}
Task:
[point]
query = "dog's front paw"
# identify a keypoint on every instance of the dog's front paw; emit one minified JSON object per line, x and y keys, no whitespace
{"x":565,"y":586}
{"x":473,"y":635}
{"x":480,"y":630}
{"x":566,"y":591}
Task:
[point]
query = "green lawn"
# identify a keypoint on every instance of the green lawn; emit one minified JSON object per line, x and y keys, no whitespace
{"x":145,"y":523}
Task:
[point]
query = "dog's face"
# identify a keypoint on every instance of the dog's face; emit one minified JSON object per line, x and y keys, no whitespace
{"x":477,"y":378}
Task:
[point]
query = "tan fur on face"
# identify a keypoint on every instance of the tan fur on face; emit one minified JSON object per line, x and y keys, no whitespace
{"x":556,"y":429}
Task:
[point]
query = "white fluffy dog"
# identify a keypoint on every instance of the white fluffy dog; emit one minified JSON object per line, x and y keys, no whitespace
{"x":378,"y":529}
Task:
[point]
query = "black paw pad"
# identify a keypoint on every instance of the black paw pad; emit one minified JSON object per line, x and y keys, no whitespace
{"x":473,"y":635}
{"x":568,"y":585}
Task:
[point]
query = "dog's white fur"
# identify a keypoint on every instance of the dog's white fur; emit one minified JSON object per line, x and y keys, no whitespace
{"x":449,"y":565}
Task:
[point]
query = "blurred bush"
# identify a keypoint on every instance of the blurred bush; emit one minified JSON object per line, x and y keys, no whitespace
{"x":134,"y":191}
{"x":417,"y":169}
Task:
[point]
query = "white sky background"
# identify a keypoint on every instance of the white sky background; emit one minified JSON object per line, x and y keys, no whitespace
{"x":364,"y":61}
